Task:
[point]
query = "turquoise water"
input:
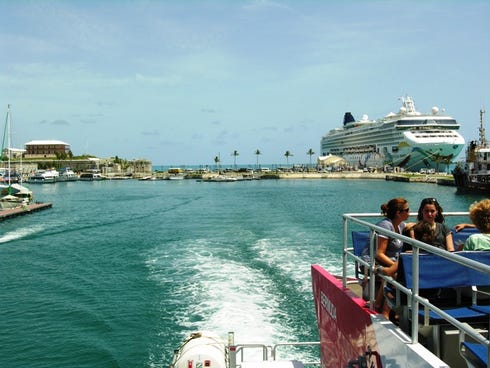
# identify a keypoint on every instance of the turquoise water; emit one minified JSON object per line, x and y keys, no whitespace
{"x":117,"y":273}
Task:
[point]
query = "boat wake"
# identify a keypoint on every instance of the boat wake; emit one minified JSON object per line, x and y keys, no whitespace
{"x":21,"y":233}
{"x":205,"y":290}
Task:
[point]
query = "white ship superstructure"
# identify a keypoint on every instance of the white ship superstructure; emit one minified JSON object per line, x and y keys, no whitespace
{"x":407,"y":139}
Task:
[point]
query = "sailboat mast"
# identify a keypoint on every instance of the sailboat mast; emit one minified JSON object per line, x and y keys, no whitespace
{"x":9,"y":150}
{"x":483,"y":139}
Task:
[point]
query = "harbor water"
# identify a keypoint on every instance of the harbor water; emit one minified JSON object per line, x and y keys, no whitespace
{"x":118,"y":273}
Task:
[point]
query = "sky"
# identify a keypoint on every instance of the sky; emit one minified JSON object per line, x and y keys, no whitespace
{"x":180,"y":82}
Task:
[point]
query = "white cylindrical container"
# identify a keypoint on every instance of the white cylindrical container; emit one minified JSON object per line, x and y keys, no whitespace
{"x":201,"y":350}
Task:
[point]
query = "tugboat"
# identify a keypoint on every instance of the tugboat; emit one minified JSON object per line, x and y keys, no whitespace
{"x":474,"y":175}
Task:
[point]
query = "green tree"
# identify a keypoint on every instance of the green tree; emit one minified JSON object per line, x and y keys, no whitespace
{"x":217,"y":161}
{"x":310,"y":153}
{"x":287,"y":154}
{"x":235,"y":154}
{"x":257,"y":153}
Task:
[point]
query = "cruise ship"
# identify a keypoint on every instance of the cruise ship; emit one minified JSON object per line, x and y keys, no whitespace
{"x":407,"y":139}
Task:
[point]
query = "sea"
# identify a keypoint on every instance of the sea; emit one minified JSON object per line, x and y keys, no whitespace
{"x":118,"y":273}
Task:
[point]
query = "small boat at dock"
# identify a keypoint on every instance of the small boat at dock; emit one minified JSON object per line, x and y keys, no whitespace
{"x":221,"y":179}
{"x":12,"y":194}
{"x":176,"y":177}
{"x":67,"y":174}
{"x":42,"y":176}
{"x":92,"y":175}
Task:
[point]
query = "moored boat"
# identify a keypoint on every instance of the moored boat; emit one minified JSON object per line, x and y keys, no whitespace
{"x":443,"y":329}
{"x":407,"y":139}
{"x":179,"y":176}
{"x":92,"y":175}
{"x":147,"y":178}
{"x":12,"y":194}
{"x":42,"y":176}
{"x":9,"y":176}
{"x":474,"y":174}
{"x":67,"y":174}
{"x":221,"y":178}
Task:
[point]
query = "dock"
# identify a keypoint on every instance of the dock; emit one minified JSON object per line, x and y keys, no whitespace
{"x":24,"y":210}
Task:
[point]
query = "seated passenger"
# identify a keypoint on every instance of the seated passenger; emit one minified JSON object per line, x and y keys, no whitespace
{"x":430,"y":211}
{"x":388,"y":249}
{"x":421,"y":231}
{"x":480,"y":217}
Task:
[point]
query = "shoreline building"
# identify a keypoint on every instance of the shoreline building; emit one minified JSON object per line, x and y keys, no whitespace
{"x":46,"y":149}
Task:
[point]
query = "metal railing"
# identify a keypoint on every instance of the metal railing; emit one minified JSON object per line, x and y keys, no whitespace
{"x":236,"y":353}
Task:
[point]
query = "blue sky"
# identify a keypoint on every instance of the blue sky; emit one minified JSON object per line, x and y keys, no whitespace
{"x":179,"y":82}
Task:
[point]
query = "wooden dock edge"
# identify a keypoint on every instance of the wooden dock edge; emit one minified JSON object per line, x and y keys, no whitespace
{"x":23,"y":210}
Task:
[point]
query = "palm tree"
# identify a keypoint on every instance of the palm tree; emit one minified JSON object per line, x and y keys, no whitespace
{"x":310,"y":153}
{"x":216,"y":161}
{"x":257,"y":153}
{"x":287,"y":154}
{"x":235,"y":154}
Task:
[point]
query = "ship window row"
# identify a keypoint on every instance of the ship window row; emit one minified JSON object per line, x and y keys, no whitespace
{"x":483,"y":156}
{"x":352,"y":140}
{"x":357,"y":149}
{"x":428,"y":121}
{"x":434,"y":135}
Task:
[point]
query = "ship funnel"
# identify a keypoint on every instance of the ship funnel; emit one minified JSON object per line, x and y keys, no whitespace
{"x":348,"y":118}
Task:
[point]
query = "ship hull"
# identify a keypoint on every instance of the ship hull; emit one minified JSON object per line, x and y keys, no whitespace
{"x":467,"y":183}
{"x":349,"y":330}
{"x":401,"y":151}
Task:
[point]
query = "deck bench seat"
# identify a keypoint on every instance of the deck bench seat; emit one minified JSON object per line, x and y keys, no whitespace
{"x":463,"y":314}
{"x":461,"y":236}
{"x":481,"y":308}
{"x":475,"y":354}
{"x":437,"y":273}
{"x":360,"y":240}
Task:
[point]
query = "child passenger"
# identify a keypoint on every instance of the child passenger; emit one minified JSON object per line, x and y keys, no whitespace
{"x":421,"y":231}
{"x":480,"y":217}
{"x":424,"y":232}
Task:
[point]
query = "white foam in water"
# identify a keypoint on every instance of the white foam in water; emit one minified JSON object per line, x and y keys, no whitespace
{"x":238,"y":299}
{"x":20,"y":233}
{"x":219,"y":295}
{"x":295,"y":260}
